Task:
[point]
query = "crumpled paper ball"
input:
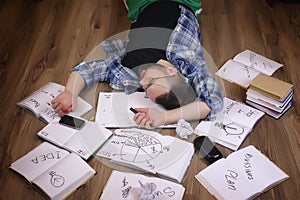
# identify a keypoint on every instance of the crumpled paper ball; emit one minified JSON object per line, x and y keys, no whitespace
{"x":184,"y":129}
{"x":146,"y":191}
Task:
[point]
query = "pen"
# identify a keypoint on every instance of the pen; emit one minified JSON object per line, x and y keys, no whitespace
{"x":133,"y":110}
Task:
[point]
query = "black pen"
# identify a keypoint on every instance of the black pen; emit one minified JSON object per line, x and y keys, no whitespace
{"x":133,"y":110}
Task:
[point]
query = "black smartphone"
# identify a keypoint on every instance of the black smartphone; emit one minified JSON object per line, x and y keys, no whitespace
{"x":207,"y":149}
{"x":72,"y":122}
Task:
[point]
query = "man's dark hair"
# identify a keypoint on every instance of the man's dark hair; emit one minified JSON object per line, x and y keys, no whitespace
{"x":168,"y":101}
{"x":179,"y":95}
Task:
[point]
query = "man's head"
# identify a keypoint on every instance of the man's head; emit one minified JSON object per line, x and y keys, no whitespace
{"x":164,"y":85}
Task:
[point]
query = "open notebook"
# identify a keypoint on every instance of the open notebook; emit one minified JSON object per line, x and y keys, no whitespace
{"x":39,"y":103}
{"x":244,"y":174}
{"x":54,"y":171}
{"x":129,"y":186}
{"x":232,"y":126}
{"x":149,"y":151}
{"x":245,"y":66}
{"x":84,"y":142}
{"x":113,"y":109}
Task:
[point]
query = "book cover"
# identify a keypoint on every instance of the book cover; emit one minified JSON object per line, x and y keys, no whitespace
{"x":271,"y":87}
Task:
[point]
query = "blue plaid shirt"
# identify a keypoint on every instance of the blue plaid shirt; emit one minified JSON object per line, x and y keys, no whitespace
{"x":184,"y":51}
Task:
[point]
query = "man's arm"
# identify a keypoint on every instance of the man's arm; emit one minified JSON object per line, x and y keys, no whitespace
{"x":152,"y":118}
{"x":194,"y":111}
{"x":67,"y":101}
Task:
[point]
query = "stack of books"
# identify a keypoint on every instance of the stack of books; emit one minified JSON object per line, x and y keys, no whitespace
{"x":270,"y":95}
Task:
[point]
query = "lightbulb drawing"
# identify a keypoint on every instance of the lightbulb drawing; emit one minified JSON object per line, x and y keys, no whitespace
{"x":231,"y":128}
{"x":56,"y":180}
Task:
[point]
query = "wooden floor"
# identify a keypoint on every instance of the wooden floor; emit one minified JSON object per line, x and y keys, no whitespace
{"x":42,"y":39}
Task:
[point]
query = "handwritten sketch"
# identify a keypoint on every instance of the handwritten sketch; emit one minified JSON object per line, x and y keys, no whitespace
{"x":241,"y":113}
{"x":248,"y":166}
{"x":243,"y":174}
{"x":144,"y":149}
{"x":237,"y":73}
{"x":130,"y":186}
{"x":228,"y":132}
{"x":56,"y":180}
{"x":258,"y":62}
{"x":55,"y":155}
{"x":232,"y":125}
{"x":231,"y":129}
{"x":245,"y":66}
{"x":39,"y":102}
{"x":231,"y":178}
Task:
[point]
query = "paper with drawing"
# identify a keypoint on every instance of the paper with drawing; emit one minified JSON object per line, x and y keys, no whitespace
{"x":147,"y":150}
{"x":39,"y":103}
{"x":129,"y":186}
{"x":232,"y":126}
{"x":54,"y":170}
{"x":38,"y":160}
{"x":242,"y":175}
{"x":245,"y":66}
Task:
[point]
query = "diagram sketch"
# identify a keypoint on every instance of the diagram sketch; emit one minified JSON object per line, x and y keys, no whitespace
{"x":144,"y":149}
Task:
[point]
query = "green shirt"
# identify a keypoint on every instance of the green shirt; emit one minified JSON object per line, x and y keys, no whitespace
{"x":135,"y":7}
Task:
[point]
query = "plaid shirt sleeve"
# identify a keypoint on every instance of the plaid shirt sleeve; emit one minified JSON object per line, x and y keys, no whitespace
{"x":186,"y":54}
{"x":94,"y":71}
{"x":110,"y":69}
{"x":114,"y":47}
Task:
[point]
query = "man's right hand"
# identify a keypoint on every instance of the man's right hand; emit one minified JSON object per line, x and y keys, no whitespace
{"x":64,"y":103}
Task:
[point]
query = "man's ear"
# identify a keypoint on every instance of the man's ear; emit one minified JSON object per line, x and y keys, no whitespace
{"x":170,"y":68}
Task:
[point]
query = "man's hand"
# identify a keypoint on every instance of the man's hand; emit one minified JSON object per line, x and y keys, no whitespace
{"x":149,"y":118}
{"x":64,"y":103}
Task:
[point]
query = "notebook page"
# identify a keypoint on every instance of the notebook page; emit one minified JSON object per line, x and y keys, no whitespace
{"x":121,"y":185}
{"x":144,"y":149}
{"x":225,"y":182}
{"x":258,"y":62}
{"x":113,"y":109}
{"x":56,"y":133}
{"x":225,"y":132}
{"x":38,"y":160}
{"x":237,"y":73}
{"x":86,"y":141}
{"x":178,"y":169}
{"x":40,"y":101}
{"x":241,"y":113}
{"x":61,"y":179}
{"x":256,"y":167}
